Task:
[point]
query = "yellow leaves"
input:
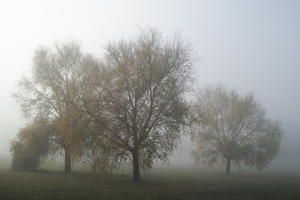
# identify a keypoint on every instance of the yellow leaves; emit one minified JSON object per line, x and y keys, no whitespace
{"x":29,"y":133}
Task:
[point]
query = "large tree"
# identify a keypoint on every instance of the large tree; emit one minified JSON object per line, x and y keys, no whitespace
{"x":51,"y":92}
{"x":232,"y":127}
{"x":137,"y":97}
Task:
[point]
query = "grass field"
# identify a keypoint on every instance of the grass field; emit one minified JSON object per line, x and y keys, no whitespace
{"x":159,"y":184}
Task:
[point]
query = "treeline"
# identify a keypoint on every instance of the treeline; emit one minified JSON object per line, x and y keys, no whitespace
{"x":130,"y":106}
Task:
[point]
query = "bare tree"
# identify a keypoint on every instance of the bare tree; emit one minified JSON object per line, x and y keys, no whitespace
{"x":137,"y":99}
{"x":234,"y":128}
{"x":51,"y":92}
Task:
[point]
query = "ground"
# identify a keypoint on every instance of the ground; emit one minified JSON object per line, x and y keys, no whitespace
{"x":159,"y":184}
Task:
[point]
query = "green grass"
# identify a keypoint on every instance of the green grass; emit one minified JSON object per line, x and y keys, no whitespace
{"x":167,"y":183}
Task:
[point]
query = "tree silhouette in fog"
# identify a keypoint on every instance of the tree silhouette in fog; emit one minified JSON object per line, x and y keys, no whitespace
{"x":51,"y":92}
{"x":138,"y":99}
{"x":233,"y":127}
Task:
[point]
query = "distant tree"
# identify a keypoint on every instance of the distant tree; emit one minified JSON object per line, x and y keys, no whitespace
{"x":233,"y":127}
{"x":137,"y":97}
{"x":51,"y":93}
{"x":31,"y":146}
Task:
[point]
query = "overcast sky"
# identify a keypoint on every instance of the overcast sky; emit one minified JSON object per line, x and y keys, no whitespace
{"x":252,"y":46}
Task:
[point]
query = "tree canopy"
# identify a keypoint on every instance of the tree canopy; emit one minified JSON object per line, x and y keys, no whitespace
{"x":138,"y":102}
{"x":235,"y":128}
{"x":51,"y":92}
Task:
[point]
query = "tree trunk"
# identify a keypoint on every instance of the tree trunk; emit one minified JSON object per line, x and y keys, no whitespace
{"x":228,"y":164}
{"x":67,"y":161}
{"x":136,"y":166}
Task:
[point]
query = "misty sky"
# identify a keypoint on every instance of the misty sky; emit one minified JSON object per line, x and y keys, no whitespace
{"x":252,"y":46}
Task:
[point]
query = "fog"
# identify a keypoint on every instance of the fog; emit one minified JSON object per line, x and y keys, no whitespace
{"x":252,"y":46}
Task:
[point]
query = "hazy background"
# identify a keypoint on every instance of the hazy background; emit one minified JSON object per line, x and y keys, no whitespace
{"x":252,"y":46}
